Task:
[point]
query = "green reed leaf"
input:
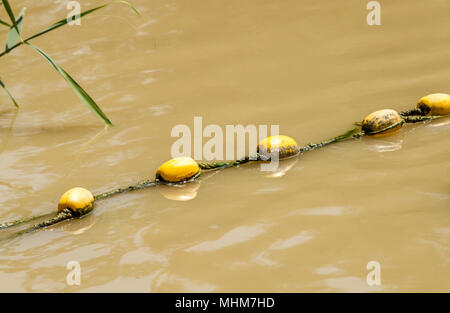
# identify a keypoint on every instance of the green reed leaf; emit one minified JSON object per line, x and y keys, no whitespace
{"x":4,"y":23}
{"x":67,"y":20}
{"x":9,"y":94}
{"x":10,"y":14}
{"x":75,"y":86}
{"x":76,"y":17}
{"x":14,"y":37}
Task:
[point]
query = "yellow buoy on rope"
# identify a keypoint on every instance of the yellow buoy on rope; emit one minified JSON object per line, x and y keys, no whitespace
{"x":284,"y":145}
{"x":434,"y":104}
{"x":178,"y":170}
{"x":78,"y":200}
{"x":382,"y":121}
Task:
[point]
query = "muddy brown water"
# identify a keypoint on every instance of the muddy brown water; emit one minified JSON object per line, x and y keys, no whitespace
{"x":312,"y":67}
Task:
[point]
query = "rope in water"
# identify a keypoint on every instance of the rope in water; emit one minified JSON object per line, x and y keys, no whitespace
{"x":59,"y":217}
{"x":149,"y":183}
{"x":145,"y":184}
{"x":215,"y":165}
{"x":23,"y":220}
{"x":417,"y":119}
{"x":309,"y":147}
{"x":367,"y":127}
{"x":67,"y":214}
{"x":411,"y":112}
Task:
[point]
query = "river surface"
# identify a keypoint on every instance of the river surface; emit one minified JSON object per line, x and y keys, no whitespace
{"x":311,"y":67}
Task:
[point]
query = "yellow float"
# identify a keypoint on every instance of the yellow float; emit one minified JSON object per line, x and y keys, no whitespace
{"x":178,"y":170}
{"x":284,"y":145}
{"x":434,"y":104}
{"x":382,"y":121}
{"x":78,"y":200}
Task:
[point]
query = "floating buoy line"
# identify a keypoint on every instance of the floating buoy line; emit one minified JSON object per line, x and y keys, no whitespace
{"x":78,"y":202}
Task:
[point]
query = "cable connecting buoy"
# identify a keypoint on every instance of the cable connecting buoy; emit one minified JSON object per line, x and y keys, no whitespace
{"x":285,"y":146}
{"x":75,"y":202}
{"x":434,"y":104}
{"x":382,"y":121}
{"x":78,"y":200}
{"x":178,"y":170}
